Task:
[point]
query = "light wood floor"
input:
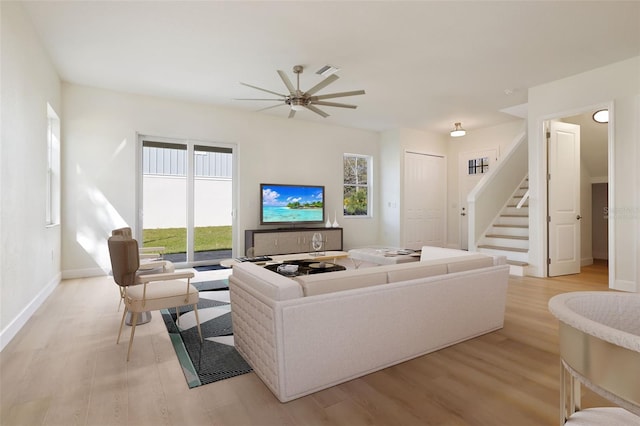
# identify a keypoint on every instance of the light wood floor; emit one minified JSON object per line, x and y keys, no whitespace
{"x":64,"y":368}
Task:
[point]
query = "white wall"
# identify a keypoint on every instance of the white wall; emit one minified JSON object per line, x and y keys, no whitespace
{"x":29,"y":251}
{"x":616,"y":86}
{"x":100,"y":137}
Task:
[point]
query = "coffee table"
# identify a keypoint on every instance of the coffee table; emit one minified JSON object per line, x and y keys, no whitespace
{"x":306,"y":267}
{"x":325,"y":256}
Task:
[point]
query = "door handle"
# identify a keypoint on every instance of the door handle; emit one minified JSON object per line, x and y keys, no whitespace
{"x":463,"y":214}
{"x":578,"y":217}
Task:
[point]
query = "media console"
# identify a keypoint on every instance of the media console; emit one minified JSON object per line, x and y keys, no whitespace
{"x":267,"y":242}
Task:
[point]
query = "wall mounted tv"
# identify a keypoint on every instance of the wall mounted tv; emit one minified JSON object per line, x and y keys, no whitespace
{"x":291,"y":204}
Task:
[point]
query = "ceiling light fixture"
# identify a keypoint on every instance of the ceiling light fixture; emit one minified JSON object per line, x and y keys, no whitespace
{"x":601,"y":116}
{"x":327,"y":70}
{"x":458,"y":131}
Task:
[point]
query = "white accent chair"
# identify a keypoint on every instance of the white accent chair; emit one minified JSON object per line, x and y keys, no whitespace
{"x":148,"y":291}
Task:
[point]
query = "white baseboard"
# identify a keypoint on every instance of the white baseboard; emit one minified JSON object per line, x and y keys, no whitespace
{"x":586,"y":261}
{"x":70,"y":274}
{"x":10,"y":331}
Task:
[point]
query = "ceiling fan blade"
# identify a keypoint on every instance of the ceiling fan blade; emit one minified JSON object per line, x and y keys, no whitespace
{"x":269,"y":107}
{"x":292,"y":113}
{"x":287,"y":82}
{"x":324,"y":83}
{"x":337,"y":95}
{"x":261,"y":99}
{"x":334,"y":104}
{"x":264,"y":90}
{"x":317,"y":110}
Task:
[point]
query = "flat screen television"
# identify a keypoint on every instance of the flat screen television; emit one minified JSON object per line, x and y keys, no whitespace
{"x":291,"y":204}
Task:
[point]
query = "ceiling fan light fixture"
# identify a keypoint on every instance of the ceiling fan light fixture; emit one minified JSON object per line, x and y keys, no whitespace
{"x":601,"y":116}
{"x":327,"y":70}
{"x":296,"y":107}
{"x":458,"y":131}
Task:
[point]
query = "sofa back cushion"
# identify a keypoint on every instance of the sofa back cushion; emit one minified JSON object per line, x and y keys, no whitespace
{"x":468,"y":264}
{"x":415,"y":270}
{"x":270,"y":284}
{"x":330,"y":282}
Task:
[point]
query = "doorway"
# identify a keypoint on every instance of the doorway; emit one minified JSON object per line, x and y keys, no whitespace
{"x":186,"y":199}
{"x":594,"y":188}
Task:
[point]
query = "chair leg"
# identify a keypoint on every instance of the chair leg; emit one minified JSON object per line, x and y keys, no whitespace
{"x":195,"y":311}
{"x":134,"y":321}
{"x":121,"y":324}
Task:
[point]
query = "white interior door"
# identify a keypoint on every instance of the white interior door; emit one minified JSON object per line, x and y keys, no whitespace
{"x":564,"y":198}
{"x":425,"y":185}
{"x":472,"y":166}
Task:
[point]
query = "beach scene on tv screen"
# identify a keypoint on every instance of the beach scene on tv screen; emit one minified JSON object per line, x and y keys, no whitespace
{"x":292,"y":203}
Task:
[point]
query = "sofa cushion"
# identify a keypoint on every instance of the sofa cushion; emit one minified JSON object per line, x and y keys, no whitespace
{"x":468,"y":264}
{"x":271,"y":284}
{"x":414,"y":271}
{"x":330,"y":282}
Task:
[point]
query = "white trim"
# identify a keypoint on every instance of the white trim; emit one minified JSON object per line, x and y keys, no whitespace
{"x":10,"y":331}
{"x":622,"y":285}
{"x":538,"y":181}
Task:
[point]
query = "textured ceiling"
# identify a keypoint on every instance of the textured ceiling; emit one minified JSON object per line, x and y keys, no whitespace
{"x":424,"y":65}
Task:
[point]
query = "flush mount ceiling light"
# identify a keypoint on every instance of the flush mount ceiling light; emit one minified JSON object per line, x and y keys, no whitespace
{"x":458,"y":131}
{"x":601,"y":116}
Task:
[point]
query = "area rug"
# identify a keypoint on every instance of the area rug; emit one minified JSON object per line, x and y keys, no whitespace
{"x":216,"y":358}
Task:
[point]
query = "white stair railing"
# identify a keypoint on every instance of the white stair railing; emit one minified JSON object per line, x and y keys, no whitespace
{"x":525,"y":197}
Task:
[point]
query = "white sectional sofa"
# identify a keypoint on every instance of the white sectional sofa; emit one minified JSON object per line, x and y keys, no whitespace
{"x":311,"y":332}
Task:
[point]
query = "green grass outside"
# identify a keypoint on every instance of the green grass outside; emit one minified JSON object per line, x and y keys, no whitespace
{"x":175,"y":239}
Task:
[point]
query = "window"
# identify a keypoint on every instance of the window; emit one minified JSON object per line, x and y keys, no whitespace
{"x":52,"y":214}
{"x":357,"y":185}
{"x":478,"y":166}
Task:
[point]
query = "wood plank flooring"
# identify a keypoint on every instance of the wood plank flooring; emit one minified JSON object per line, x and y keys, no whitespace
{"x":64,"y":368}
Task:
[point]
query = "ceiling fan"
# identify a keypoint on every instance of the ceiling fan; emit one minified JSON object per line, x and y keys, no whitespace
{"x":299,"y":100}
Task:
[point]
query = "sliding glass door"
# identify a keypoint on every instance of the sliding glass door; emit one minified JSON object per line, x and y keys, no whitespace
{"x":186,"y":199}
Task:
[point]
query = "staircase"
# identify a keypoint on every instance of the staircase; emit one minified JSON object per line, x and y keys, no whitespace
{"x":509,"y":233}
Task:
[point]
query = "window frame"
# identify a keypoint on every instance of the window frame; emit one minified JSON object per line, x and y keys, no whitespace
{"x":368,"y":185}
{"x":52,"y":190}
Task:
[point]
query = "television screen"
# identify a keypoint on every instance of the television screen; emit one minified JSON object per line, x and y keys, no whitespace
{"x":291,"y":204}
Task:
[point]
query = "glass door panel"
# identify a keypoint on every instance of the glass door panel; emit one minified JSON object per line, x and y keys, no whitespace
{"x":212,"y":203}
{"x":164,"y":198}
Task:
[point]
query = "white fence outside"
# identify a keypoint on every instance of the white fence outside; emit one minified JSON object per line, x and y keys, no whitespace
{"x":165,"y":202}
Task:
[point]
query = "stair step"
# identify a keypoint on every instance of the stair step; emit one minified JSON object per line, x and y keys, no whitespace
{"x":514,"y":215}
{"x":517,"y":263}
{"x":499,"y":225}
{"x":490,"y":247}
{"x":511,"y":237}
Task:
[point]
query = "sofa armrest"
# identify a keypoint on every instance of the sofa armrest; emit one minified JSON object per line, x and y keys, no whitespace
{"x":270,"y":284}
